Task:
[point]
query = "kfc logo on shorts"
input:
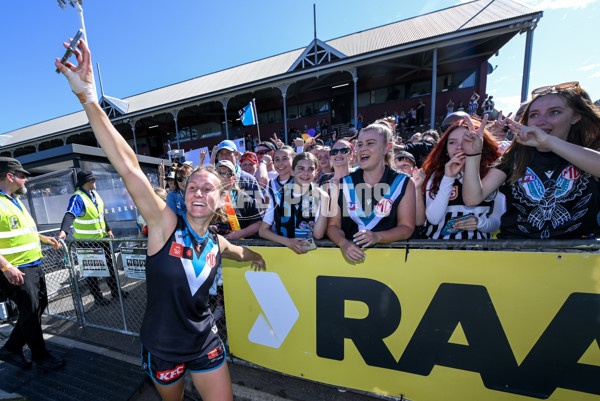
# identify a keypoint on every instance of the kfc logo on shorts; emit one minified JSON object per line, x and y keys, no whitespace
{"x":169,"y":375}
{"x":176,"y":250}
{"x":211,"y":259}
{"x":571,"y":173}
{"x":454,"y":192}
{"x":383,"y":207}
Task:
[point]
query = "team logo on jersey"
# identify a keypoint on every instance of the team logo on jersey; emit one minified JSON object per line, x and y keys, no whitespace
{"x":180,"y":251}
{"x":454,"y":192}
{"x":351,"y":206}
{"x":571,"y":173}
{"x":383,"y":207}
{"x":188,"y":253}
{"x":211,"y":259}
{"x":176,"y":250}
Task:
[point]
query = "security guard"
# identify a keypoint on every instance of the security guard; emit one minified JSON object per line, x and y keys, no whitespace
{"x":23,"y":279}
{"x":86,"y":213}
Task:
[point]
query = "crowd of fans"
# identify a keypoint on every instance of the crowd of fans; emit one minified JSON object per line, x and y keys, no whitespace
{"x":548,"y":175}
{"x":353,"y":189}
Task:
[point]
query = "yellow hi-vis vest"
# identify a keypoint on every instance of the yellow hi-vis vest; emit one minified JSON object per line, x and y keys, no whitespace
{"x":91,"y":225}
{"x":19,"y":239}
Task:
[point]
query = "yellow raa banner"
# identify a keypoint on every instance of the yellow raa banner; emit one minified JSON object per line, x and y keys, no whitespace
{"x":451,"y":325}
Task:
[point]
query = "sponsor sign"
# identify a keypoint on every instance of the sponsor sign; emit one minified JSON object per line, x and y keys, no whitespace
{"x":134,"y":262}
{"x":451,"y":325}
{"x":92,"y":262}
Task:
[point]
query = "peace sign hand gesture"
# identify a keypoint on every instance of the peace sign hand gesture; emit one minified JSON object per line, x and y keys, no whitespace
{"x":473,"y":140}
{"x":530,"y":136}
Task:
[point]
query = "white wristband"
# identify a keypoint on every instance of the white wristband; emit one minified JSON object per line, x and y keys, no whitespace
{"x":83,"y":90}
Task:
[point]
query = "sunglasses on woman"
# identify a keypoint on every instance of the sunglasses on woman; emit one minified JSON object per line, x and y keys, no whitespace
{"x":226,"y":173}
{"x":343,"y":151}
{"x":555,"y":88}
{"x":262,"y":152}
{"x":181,"y":179}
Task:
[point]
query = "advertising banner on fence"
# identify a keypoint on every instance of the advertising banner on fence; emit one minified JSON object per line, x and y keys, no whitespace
{"x":442,"y":325}
{"x":92,"y":262}
{"x":134,"y":262}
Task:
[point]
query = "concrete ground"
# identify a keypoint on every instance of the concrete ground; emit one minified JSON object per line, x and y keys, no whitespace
{"x":250,"y":383}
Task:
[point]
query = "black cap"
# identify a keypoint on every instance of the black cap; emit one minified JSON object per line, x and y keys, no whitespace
{"x":268,"y":144}
{"x":84,"y":176}
{"x":405,"y":155}
{"x":8,"y":164}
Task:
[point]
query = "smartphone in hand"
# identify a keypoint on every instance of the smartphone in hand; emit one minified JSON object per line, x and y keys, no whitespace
{"x":449,"y":227}
{"x":71,"y":48}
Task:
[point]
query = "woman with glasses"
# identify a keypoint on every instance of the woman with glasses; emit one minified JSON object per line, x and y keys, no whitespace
{"x":376,"y":204}
{"x":340,"y":157}
{"x":242,"y":218}
{"x":550,"y":172}
{"x":301,"y":214}
{"x":176,"y":198}
{"x":446,"y":214}
{"x":178,"y":332}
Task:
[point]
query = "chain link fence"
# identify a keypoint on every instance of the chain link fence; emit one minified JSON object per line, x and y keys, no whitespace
{"x":101,"y":283}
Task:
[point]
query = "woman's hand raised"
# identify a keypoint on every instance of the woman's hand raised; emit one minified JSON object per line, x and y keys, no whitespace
{"x":529,"y":136}
{"x":473,"y":140}
{"x":80,"y":77}
{"x":455,"y":165}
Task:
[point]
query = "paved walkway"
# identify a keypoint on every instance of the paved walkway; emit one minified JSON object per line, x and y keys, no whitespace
{"x":97,"y":359}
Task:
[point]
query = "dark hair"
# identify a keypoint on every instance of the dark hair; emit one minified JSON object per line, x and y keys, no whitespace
{"x":305,"y":156}
{"x":435,"y":164}
{"x":432,"y":133}
{"x":585,"y":132}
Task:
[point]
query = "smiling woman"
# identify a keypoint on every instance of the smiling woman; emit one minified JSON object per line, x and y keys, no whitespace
{"x":298,"y":213}
{"x":551,"y":170}
{"x":376,"y":204}
{"x":179,"y":331}
{"x":447,"y":215}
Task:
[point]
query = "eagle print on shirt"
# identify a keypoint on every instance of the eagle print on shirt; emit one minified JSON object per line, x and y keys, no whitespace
{"x":546,"y":198}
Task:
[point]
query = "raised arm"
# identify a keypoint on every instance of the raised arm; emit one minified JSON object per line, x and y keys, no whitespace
{"x":118,"y":151}
{"x":586,"y":159}
{"x":475,"y":189}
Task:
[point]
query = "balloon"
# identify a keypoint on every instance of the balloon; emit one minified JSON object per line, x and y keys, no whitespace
{"x":311,"y":132}
{"x":305,"y":137}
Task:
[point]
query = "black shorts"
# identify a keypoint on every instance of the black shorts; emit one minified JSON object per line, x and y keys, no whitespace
{"x":166,"y":373}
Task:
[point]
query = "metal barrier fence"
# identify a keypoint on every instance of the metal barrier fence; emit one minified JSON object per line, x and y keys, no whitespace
{"x":117,"y":300}
{"x":74,"y":297}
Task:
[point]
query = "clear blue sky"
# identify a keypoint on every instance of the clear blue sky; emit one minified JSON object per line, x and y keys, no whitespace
{"x":143,"y":45}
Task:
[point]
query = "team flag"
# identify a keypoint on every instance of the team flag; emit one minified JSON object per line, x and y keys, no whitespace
{"x":247,"y":115}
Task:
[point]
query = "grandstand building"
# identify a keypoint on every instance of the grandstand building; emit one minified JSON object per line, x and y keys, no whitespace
{"x":435,"y":57}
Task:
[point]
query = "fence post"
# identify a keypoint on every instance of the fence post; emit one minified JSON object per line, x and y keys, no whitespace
{"x":116,"y":271}
{"x":75,"y":293}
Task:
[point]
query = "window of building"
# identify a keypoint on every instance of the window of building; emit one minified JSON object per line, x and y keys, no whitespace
{"x":364,"y":99}
{"x":420,"y":88}
{"x":396,"y":92}
{"x":466,"y":79}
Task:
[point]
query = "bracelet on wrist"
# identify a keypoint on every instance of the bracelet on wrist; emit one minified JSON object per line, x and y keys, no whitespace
{"x":473,"y":154}
{"x":5,"y":268}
